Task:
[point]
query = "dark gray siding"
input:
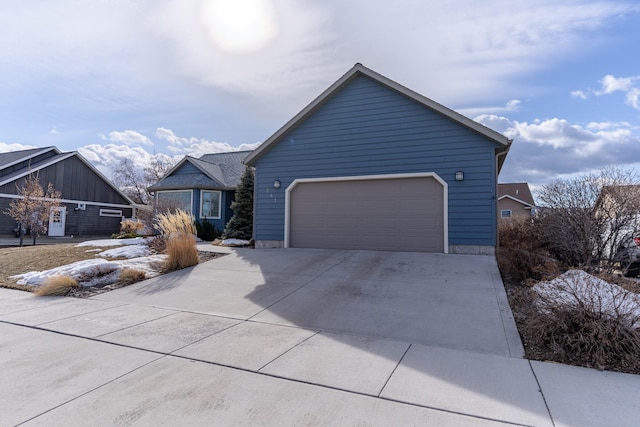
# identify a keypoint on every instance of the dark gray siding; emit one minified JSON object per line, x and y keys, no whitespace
{"x":75,"y":180}
{"x":369,"y":129}
{"x":86,"y":222}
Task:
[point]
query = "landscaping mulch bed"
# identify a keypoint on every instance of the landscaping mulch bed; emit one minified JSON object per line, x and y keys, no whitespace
{"x":18,"y":260}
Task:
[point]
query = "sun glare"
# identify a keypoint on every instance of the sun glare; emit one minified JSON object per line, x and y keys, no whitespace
{"x":240,"y":26}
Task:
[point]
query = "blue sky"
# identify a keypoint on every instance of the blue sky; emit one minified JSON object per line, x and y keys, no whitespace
{"x":135,"y":79}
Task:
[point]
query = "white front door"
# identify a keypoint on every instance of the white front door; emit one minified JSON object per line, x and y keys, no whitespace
{"x":57,"y":221}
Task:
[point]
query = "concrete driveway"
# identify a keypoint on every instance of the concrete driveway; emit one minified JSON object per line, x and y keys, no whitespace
{"x":453,"y":301}
{"x":294,"y":337}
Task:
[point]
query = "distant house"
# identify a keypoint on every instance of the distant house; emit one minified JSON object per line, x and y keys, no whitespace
{"x":203,"y":186}
{"x":91,"y":204}
{"x":515,"y":200}
{"x":618,"y":208}
{"x":373,"y":165}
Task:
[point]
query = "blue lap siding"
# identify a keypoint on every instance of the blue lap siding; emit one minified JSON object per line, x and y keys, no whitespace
{"x":367,"y":128}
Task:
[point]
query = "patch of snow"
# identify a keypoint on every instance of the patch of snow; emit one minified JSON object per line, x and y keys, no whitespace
{"x":93,"y":272}
{"x":114,"y":242}
{"x":579,"y":288}
{"x":129,"y":251}
{"x":94,"y":250}
{"x":234,"y":242}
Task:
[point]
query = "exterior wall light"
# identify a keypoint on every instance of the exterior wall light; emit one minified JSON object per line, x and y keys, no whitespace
{"x":459,"y":176}
{"x":276,"y":183}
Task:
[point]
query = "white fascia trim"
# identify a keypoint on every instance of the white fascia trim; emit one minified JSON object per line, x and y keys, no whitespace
{"x":111,"y":205}
{"x":445,"y":196}
{"x":506,"y":196}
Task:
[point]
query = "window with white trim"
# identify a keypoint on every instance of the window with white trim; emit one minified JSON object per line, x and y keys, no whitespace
{"x":111,"y":212}
{"x":210,"y":204}
{"x":174,"y":199}
{"x":505,"y":213}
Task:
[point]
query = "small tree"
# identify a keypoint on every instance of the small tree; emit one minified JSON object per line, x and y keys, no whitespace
{"x":33,"y":208}
{"x":240,"y":226}
{"x":586,"y":218}
{"x":134,"y":180}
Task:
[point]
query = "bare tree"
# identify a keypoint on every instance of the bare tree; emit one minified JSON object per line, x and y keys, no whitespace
{"x":34,"y":207}
{"x":585,"y":219}
{"x":134,"y":180}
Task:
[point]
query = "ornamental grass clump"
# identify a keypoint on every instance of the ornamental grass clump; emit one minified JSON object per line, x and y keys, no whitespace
{"x":178,"y":231}
{"x":129,"y":276}
{"x":56,"y":286}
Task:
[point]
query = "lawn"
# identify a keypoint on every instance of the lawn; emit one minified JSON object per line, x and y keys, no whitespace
{"x":18,"y":260}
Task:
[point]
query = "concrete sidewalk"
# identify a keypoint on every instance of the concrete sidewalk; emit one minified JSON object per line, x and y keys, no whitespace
{"x":76,"y":362}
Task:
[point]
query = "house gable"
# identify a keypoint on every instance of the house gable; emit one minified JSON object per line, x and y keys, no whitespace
{"x":364,"y":126}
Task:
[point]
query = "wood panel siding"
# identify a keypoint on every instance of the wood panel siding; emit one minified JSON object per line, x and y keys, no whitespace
{"x":75,"y":180}
{"x":367,"y":128}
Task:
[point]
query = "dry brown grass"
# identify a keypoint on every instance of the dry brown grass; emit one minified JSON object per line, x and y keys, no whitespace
{"x":178,"y":231}
{"x":578,"y":330}
{"x":182,"y":252}
{"x":129,"y":276}
{"x":56,"y":286}
{"x":17,"y":260}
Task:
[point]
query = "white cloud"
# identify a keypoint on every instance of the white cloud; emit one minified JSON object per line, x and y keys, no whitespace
{"x":196,"y":147}
{"x":548,"y":148}
{"x":607,"y":125}
{"x":579,"y":94}
{"x":612,"y":84}
{"x":302,"y":46}
{"x":54,"y":131}
{"x":513,"y":105}
{"x":6,"y":148}
{"x":106,"y":157}
{"x":129,"y":137}
{"x":633,"y":98}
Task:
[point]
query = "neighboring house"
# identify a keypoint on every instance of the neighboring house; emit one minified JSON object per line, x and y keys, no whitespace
{"x":370,"y":164}
{"x":515,"y":200}
{"x":91,"y":204}
{"x":618,"y":209}
{"x":203,"y":186}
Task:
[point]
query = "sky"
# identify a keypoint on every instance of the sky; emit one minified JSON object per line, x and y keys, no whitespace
{"x":145,"y":79}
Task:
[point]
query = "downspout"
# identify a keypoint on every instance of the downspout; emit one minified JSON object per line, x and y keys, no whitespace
{"x":501,"y":153}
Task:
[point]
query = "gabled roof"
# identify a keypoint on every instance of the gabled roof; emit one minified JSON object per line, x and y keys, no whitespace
{"x":518,"y":191}
{"x":35,"y":167}
{"x":358,"y":70}
{"x":13,"y":157}
{"x":219,"y":171}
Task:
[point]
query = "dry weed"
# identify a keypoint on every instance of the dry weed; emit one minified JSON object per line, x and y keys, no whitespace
{"x":580,"y":323}
{"x":129,"y":276}
{"x":56,"y":286}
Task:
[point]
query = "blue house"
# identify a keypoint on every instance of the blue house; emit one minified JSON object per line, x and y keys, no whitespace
{"x":371,"y":164}
{"x":203,"y":186}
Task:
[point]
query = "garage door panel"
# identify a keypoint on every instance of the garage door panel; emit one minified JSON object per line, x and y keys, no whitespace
{"x":377,"y":214}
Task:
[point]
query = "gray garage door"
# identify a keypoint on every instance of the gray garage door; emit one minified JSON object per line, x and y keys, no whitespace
{"x":400,"y":214}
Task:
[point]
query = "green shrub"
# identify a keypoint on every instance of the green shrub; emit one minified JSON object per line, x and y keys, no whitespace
{"x":207,"y":231}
